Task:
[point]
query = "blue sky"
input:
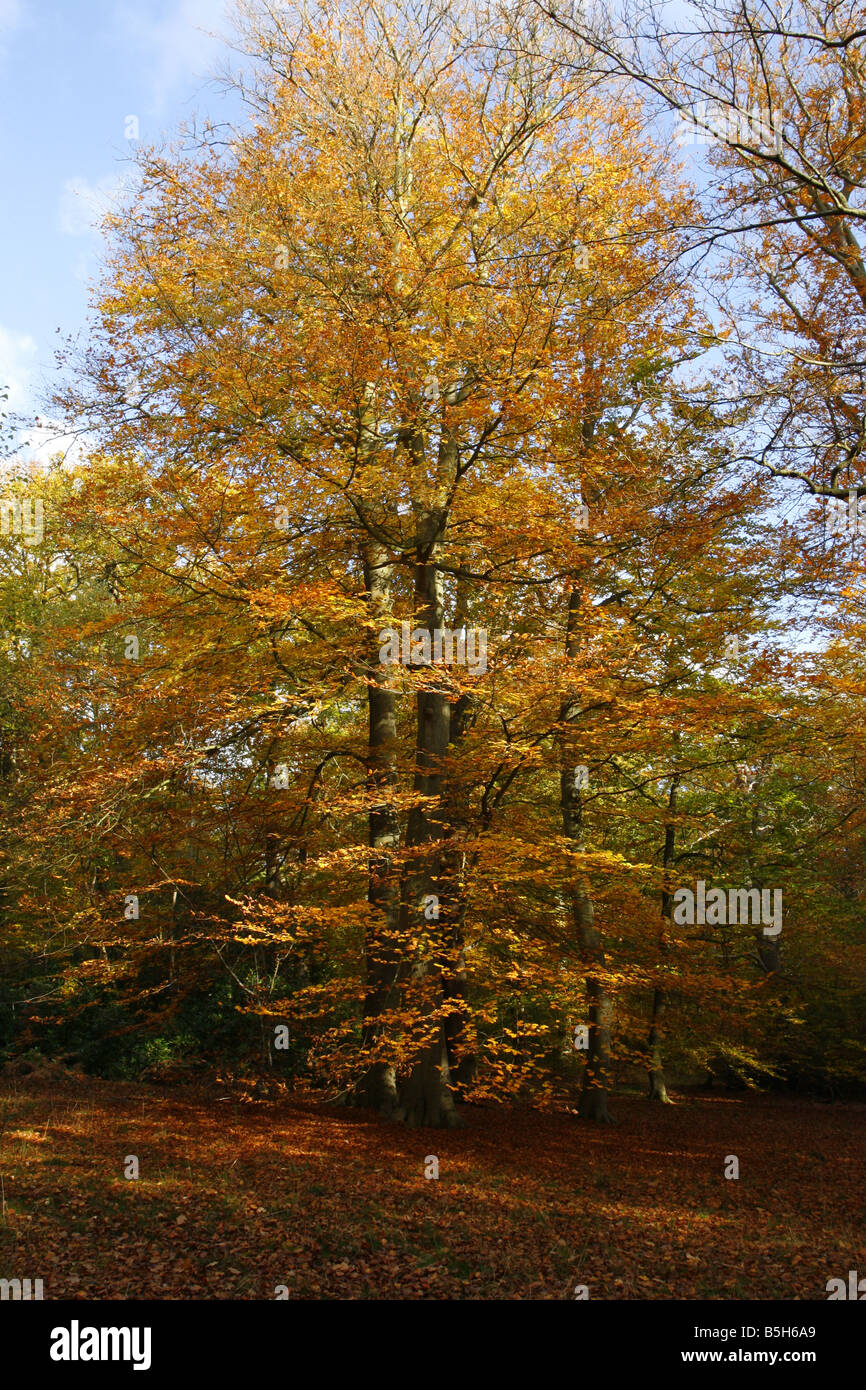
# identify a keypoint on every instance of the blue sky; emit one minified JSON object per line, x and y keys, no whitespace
{"x":71,"y":74}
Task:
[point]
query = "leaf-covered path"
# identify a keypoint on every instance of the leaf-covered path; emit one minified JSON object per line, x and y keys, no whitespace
{"x":234,"y":1201}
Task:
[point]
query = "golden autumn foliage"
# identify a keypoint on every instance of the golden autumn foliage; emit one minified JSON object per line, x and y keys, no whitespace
{"x":421,"y":348}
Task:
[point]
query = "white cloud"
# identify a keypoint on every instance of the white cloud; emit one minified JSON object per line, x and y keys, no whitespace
{"x":17,"y":362}
{"x":37,"y":445}
{"x":179,"y":46}
{"x":83,"y":205}
{"x":11,"y":15}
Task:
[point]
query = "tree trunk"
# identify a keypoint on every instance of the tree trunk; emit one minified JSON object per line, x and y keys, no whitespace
{"x":458,"y":1030}
{"x":458,"y":1038}
{"x":592,"y":1104}
{"x":657,"y":1087}
{"x":425,"y":1096}
{"x":378,"y":1086}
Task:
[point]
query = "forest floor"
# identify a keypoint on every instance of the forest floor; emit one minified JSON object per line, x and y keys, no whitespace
{"x":235,"y":1200}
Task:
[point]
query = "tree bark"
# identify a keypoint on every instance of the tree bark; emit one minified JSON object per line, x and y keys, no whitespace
{"x":378,"y":1086}
{"x":657,"y":1086}
{"x":592,"y":1104}
{"x":425,"y":1096}
{"x":458,"y":1031}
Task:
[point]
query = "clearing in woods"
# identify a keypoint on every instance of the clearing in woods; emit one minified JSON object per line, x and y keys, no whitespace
{"x":240,"y":1200}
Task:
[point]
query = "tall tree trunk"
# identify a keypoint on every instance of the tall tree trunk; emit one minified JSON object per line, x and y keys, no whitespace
{"x":657,"y":1087}
{"x":592,"y":1104}
{"x":458,"y":1031}
{"x":462,"y":1061}
{"x":425,"y":1097}
{"x":378,"y":1086}
{"x":768,"y":947}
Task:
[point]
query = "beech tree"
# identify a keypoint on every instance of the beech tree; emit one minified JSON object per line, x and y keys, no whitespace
{"x":355,"y":331}
{"x":387,"y":649}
